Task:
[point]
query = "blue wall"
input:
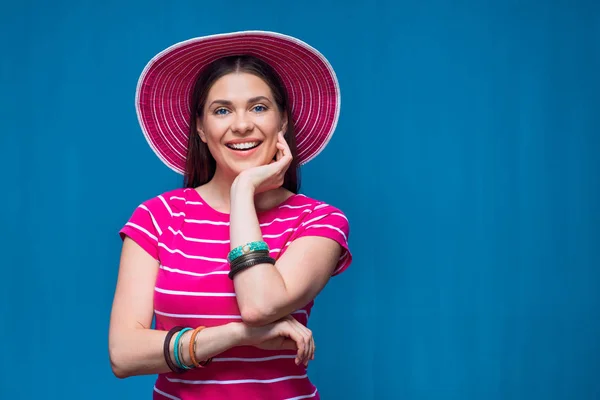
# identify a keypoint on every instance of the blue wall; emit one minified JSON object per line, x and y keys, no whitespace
{"x":466,"y":159}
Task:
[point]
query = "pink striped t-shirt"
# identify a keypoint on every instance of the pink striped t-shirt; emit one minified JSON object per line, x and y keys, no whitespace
{"x":191,"y":241}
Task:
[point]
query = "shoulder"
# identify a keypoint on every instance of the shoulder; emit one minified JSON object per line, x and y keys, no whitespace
{"x":170,"y":202}
{"x":315,"y":206}
{"x":312,"y":212}
{"x":319,"y":218}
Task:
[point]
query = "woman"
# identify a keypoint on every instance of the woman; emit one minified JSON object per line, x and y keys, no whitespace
{"x":230,"y":264}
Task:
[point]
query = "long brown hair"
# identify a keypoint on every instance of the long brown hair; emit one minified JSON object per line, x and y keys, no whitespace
{"x":200,"y":164}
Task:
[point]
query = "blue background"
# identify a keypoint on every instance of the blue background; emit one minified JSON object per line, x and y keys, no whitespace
{"x":466,"y":158}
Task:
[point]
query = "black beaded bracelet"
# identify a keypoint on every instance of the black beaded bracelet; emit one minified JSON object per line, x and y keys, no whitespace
{"x":250,"y":262}
{"x":167,"y":350}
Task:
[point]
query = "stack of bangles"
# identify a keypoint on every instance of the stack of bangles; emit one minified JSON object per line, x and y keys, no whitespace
{"x":248,"y":255}
{"x":175,"y":362}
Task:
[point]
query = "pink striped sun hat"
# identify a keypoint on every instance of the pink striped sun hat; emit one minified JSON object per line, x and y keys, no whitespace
{"x":164,"y":87}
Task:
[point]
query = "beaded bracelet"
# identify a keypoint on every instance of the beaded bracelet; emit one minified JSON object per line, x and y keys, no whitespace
{"x":247,"y":248}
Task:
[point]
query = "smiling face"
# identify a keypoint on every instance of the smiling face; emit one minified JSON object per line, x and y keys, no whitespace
{"x":240,"y":122}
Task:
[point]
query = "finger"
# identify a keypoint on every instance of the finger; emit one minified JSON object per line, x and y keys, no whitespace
{"x":311,"y":347}
{"x":307,"y":335}
{"x":285,"y":144}
{"x":286,"y":328}
{"x":287,"y":153}
{"x":281,"y":141}
{"x":309,"y":354}
{"x":302,"y":341}
{"x":280,"y":152}
{"x":299,"y":340}
{"x":310,"y":344}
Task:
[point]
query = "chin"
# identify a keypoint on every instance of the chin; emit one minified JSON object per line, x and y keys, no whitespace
{"x":239,"y":167}
{"x":236,"y":165}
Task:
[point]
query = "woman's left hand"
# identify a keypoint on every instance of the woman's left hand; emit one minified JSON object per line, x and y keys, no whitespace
{"x":270,"y":176}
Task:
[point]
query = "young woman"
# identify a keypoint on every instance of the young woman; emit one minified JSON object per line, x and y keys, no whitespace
{"x":229,"y":265}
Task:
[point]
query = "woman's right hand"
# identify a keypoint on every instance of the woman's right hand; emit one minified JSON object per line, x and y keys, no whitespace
{"x":285,"y":334}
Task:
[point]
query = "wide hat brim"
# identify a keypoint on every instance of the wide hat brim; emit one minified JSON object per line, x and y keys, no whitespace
{"x":163,"y":91}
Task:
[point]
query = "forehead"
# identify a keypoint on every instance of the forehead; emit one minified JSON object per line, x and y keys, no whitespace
{"x":239,"y":85}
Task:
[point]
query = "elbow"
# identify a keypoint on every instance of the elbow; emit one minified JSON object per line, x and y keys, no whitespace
{"x":258,"y":316}
{"x":119,"y":364}
{"x":119,"y":372}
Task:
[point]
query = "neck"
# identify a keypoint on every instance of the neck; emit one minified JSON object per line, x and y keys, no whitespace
{"x":220,"y":187}
{"x":217,"y":192}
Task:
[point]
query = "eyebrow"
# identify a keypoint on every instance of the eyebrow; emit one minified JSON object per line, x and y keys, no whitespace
{"x":252,"y":100}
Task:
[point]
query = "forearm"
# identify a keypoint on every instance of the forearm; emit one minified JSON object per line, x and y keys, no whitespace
{"x":140,"y":351}
{"x":260,"y":290}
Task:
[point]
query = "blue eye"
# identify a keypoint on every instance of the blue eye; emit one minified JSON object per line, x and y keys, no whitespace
{"x":260,"y":108}
{"x":221,"y":111}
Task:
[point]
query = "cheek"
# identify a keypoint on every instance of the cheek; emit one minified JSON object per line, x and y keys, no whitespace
{"x":213,"y":143}
{"x":213,"y":134}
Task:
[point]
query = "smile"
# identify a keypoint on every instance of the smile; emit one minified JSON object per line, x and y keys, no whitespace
{"x":243,"y":146}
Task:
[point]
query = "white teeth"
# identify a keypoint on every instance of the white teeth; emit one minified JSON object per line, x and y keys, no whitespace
{"x":243,"y":146}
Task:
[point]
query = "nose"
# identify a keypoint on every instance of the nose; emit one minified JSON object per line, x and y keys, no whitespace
{"x":242,"y":124}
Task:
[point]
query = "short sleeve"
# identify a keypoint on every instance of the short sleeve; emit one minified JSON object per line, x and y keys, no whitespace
{"x":144,"y":227}
{"x":330,"y":222}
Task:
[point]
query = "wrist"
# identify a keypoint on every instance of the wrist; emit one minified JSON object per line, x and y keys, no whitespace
{"x":242,"y":185}
{"x":239,"y":333}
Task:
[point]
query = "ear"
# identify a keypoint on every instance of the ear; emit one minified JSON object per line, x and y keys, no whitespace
{"x":200,"y":130}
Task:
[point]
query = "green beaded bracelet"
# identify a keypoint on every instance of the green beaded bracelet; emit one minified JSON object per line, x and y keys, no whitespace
{"x":245,"y":249}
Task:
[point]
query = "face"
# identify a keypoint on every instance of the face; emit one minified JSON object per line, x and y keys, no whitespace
{"x":240,"y":123}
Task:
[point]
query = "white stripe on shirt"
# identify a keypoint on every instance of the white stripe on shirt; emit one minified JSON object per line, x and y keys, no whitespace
{"x":306,"y":396}
{"x":177,"y":251}
{"x":205,"y":221}
{"x":329,"y":227}
{"x":139,"y":228}
{"x":209,"y":222}
{"x":288,"y":206}
{"x":197,"y":294}
{"x":166,"y":204}
{"x":153,"y":220}
{"x":340,"y":215}
{"x":179,"y":271}
{"x":314,"y":219}
{"x":261,"y":359}
{"x":195,"y":203}
{"x":167,"y":395}
{"x":190,"y":239}
{"x":236,"y":381}
{"x":286,"y":219}
{"x":214,"y":316}
{"x":197,"y":316}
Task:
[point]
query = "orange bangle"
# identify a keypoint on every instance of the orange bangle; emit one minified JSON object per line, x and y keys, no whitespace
{"x":193,"y":348}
